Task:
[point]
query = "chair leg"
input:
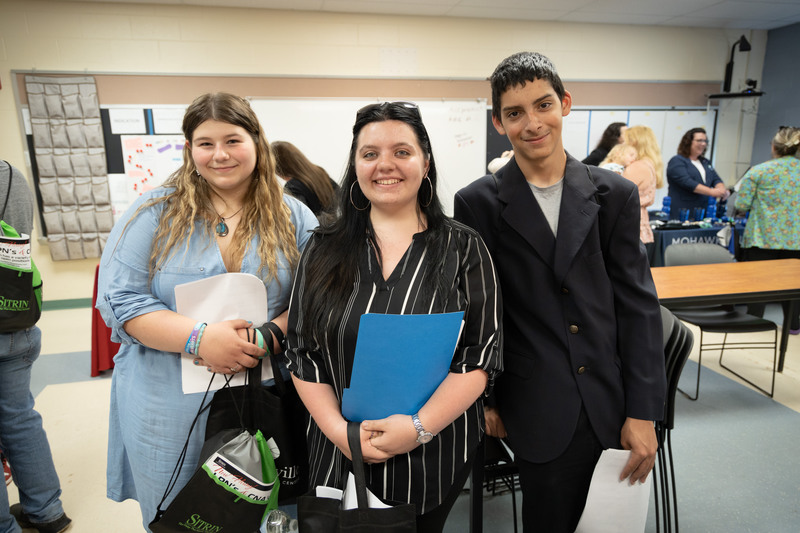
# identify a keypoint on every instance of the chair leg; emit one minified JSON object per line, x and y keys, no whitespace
{"x":665,"y":494}
{"x":656,"y":480}
{"x":672,"y":480}
{"x":661,"y":483}
{"x":771,"y":391}
{"x":476,"y":490}
{"x":514,"y":502}
{"x":699,"y":366}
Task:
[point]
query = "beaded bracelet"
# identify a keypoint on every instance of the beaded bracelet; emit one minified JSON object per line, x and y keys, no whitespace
{"x":194,"y":338}
{"x":199,"y":336}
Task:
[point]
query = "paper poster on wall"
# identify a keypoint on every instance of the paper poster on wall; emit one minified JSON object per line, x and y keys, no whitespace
{"x":149,"y":160}
{"x":127,"y":120}
{"x":168,"y":120}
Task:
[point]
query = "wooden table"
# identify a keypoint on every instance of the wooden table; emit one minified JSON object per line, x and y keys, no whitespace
{"x":732,"y":283}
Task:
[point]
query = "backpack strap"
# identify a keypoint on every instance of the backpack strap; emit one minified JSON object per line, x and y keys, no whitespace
{"x":8,"y":190}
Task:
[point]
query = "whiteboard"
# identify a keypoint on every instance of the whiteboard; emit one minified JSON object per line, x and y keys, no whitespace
{"x":583,"y":127}
{"x":322,"y":129}
{"x":679,"y":122}
{"x":575,"y":132}
{"x":600,"y":119}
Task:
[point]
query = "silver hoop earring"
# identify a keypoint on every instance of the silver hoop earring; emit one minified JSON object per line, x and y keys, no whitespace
{"x":430,"y":198}
{"x":354,"y":204}
{"x":198,"y":173}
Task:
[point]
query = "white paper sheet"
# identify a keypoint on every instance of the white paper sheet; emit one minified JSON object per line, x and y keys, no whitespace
{"x":215,"y":299}
{"x":615,"y":506}
{"x":350,"y":498}
{"x":328,"y":492}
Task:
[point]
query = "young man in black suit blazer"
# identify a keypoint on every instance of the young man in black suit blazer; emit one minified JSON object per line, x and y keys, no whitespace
{"x":583,"y":355}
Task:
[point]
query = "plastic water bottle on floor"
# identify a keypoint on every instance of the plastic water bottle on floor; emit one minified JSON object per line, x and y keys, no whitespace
{"x":280,"y":522}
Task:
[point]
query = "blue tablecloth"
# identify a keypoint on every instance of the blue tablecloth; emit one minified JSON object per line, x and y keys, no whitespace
{"x":665,"y":237}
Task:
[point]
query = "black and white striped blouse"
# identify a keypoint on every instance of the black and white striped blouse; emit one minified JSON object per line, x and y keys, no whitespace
{"x":425,"y":475}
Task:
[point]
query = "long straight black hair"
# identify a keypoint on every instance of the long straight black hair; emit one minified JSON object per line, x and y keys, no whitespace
{"x":331,"y":269}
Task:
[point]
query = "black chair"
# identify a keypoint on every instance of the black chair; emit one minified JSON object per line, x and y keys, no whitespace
{"x":720,"y":319}
{"x":495,"y":472}
{"x":678,"y":341}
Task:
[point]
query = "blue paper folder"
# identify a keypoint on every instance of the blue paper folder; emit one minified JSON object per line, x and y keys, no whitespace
{"x":400,"y":360}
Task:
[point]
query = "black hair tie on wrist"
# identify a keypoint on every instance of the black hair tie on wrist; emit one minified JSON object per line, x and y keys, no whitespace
{"x":273,"y":328}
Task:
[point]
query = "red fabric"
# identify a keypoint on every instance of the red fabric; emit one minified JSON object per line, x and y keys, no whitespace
{"x":103,"y":350}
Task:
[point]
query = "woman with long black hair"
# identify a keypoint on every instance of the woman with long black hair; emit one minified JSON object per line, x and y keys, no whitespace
{"x":393,"y":251}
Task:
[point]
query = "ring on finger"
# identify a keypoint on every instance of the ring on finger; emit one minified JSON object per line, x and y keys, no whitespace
{"x":236,"y":368}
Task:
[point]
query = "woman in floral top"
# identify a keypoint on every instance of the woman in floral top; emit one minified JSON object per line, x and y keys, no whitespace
{"x":771,"y":192}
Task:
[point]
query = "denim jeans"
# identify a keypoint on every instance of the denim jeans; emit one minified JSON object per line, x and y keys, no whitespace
{"x":22,"y":437}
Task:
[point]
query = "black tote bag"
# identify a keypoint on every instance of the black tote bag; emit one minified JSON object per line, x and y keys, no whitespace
{"x":326,"y":515}
{"x":279,"y":414}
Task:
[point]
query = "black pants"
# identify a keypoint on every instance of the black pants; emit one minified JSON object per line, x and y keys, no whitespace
{"x":433,"y":521}
{"x":763,"y":254}
{"x":554,"y":493}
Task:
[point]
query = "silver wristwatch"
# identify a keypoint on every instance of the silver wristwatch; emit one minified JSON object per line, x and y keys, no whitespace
{"x":423,"y":437}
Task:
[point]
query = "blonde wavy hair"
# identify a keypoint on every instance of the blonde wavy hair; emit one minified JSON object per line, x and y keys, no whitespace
{"x":616,"y":154}
{"x":644,"y":141}
{"x":264,"y":213}
{"x":786,"y":141}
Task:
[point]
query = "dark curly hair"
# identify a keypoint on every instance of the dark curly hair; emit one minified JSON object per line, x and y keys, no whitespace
{"x":685,"y":146}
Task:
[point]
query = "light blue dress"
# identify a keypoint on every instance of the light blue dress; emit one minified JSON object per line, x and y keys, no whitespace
{"x":150,"y":416}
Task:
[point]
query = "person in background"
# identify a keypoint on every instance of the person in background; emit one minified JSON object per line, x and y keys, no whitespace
{"x":771,"y":193}
{"x":393,"y":251}
{"x":618,"y":158}
{"x":22,"y":437}
{"x":583,"y":356}
{"x":222,"y":211}
{"x":647,"y":173}
{"x":613,"y":135}
{"x":692,"y":179}
{"x":306,"y":181}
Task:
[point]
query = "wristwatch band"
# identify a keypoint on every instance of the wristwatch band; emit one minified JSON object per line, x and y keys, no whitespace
{"x":423,"y":436}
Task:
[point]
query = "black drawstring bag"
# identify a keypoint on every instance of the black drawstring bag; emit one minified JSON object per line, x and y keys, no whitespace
{"x":279,"y":414}
{"x":234,"y":487}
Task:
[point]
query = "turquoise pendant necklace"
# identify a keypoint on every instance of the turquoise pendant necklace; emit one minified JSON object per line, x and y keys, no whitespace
{"x":222,"y":228}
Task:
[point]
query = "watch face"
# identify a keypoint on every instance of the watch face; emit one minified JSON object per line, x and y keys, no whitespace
{"x":425,"y":438}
